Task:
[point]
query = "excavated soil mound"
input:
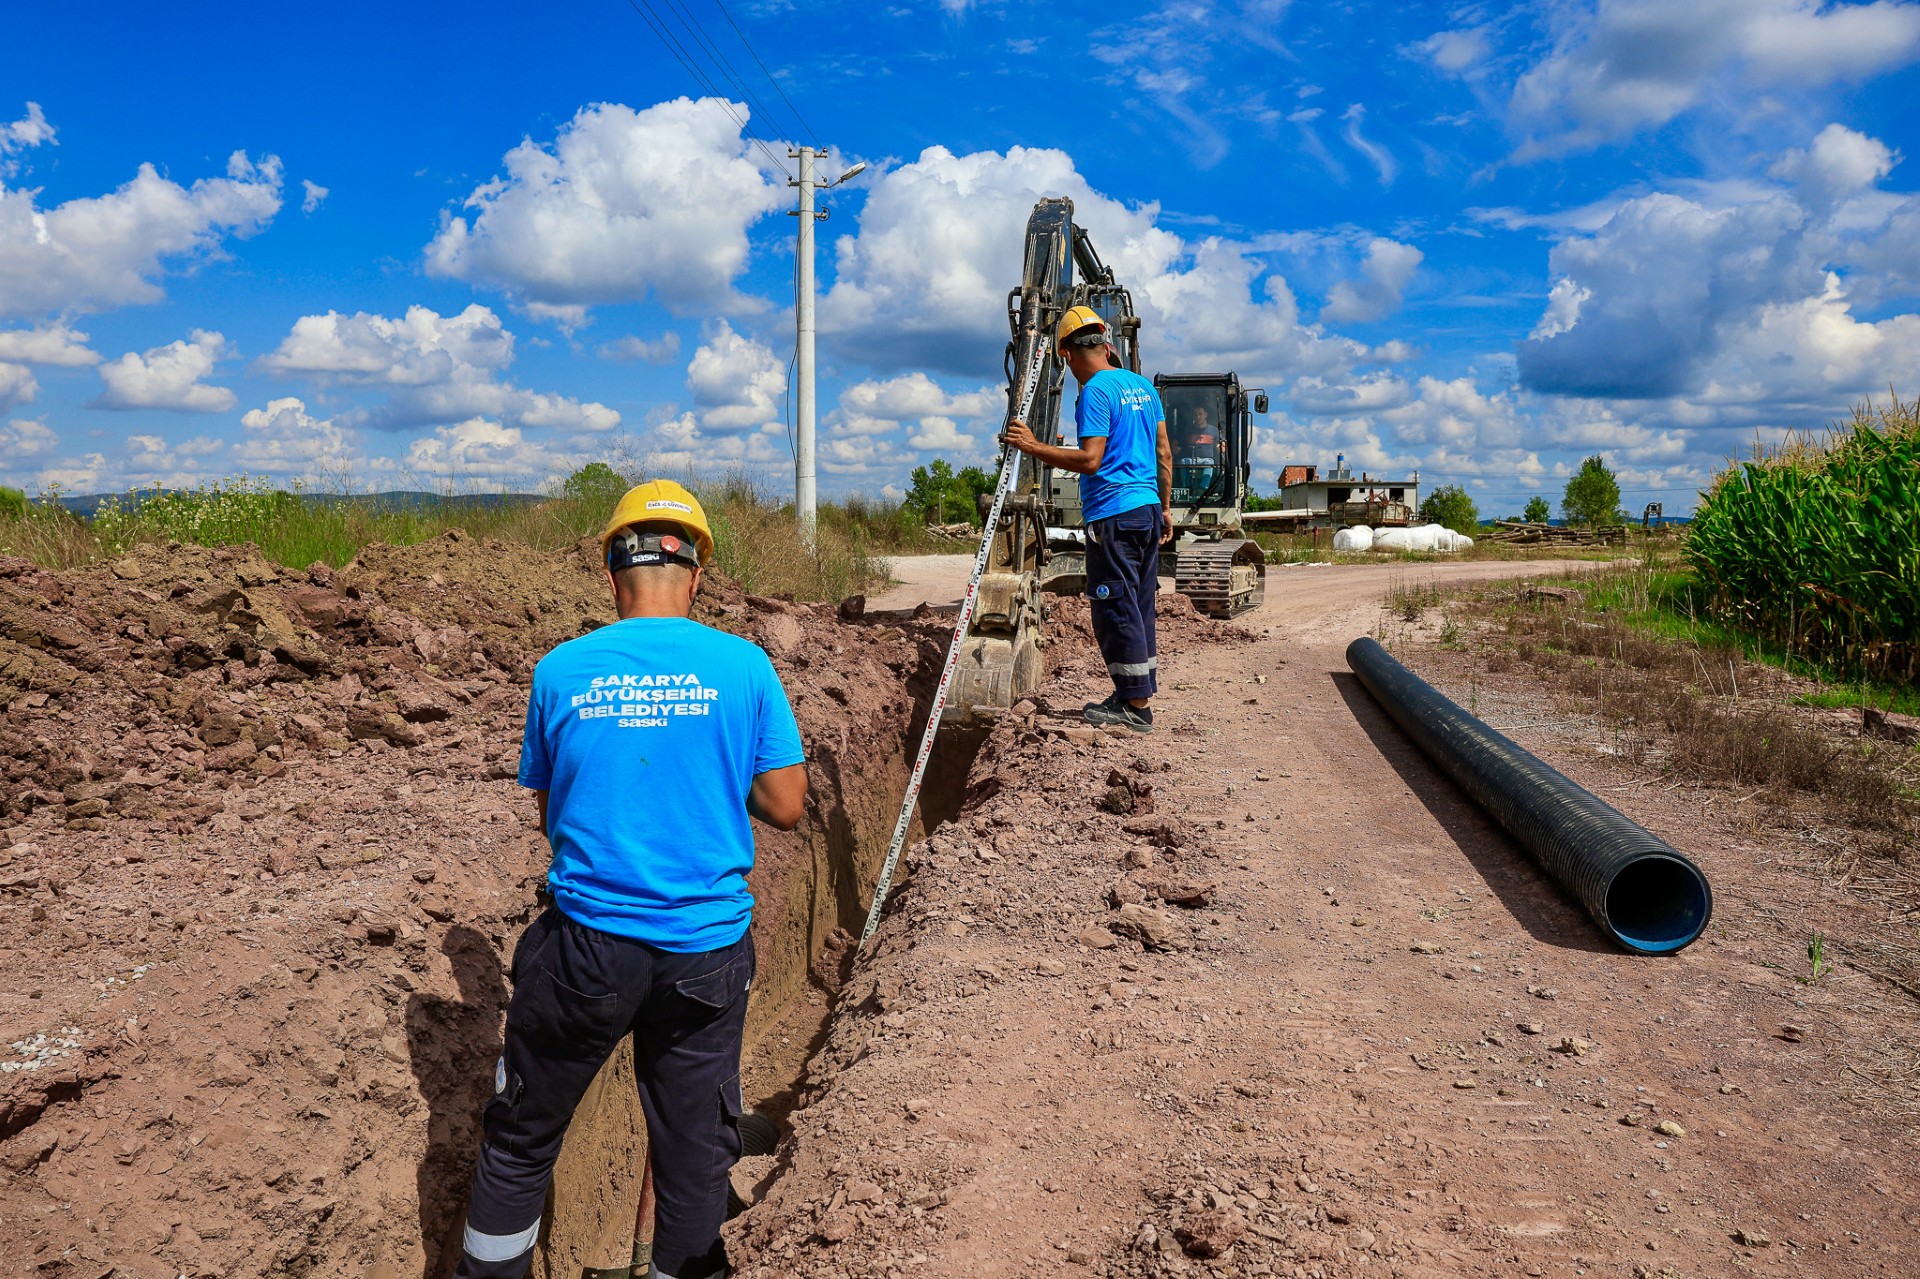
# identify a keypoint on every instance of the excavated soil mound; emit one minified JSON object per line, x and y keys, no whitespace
{"x":261,"y":853}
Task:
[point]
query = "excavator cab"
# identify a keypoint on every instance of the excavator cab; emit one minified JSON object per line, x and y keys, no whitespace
{"x":1206,"y":425}
{"x":1210,"y":428}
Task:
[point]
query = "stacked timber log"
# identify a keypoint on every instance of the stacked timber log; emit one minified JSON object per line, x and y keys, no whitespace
{"x":1519,"y":532}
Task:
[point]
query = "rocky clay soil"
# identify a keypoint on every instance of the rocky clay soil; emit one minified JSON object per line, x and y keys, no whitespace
{"x":1259,"y":994}
{"x":261,"y":860}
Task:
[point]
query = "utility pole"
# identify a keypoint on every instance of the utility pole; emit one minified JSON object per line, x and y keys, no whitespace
{"x":804,"y":498}
{"x":803,"y":454}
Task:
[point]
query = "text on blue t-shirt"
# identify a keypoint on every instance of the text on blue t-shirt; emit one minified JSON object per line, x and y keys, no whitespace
{"x":1124,"y":407}
{"x":646,"y":736}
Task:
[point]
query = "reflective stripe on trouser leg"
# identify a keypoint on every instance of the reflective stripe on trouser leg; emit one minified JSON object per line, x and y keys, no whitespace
{"x":496,"y":1248}
{"x":1123,"y":560}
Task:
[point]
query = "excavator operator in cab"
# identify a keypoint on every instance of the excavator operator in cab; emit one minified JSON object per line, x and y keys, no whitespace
{"x":1125,"y":465}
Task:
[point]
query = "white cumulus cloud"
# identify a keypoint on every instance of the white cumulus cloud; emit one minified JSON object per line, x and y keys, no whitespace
{"x":54,"y":344}
{"x":1457,"y":52}
{"x":924,"y":280}
{"x":622,"y":205}
{"x":1627,"y":65}
{"x":736,"y":382}
{"x":17,"y":385}
{"x":168,"y":377}
{"x":1733,"y":300}
{"x":24,"y":437}
{"x":885,"y":426}
{"x":631,"y":349}
{"x":284,"y":438}
{"x":104,"y":251}
{"x":419,"y":348}
{"x":315,"y":193}
{"x":437,"y":369}
{"x":481,"y":450}
{"x":1839,"y":162}
{"x":31,"y":130}
{"x":1384,"y":274}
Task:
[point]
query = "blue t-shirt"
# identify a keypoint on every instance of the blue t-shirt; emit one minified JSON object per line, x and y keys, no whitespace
{"x":646,"y":736}
{"x":1124,"y":407}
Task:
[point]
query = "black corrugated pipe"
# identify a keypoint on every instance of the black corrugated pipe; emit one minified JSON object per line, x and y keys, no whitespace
{"x":1642,"y":891}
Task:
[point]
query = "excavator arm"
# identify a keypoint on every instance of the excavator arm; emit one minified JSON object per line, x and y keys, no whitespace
{"x":1001,"y":655}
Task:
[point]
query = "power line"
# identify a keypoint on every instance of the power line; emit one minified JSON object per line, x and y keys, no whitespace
{"x":705,"y":43}
{"x":805,"y":126}
{"x":673,"y":45}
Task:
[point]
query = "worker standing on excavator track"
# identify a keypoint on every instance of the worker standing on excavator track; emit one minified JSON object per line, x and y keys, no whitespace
{"x":649,"y":744}
{"x":1125,"y":466}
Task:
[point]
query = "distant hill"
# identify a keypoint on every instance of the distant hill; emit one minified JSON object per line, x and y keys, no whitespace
{"x":85,"y":505}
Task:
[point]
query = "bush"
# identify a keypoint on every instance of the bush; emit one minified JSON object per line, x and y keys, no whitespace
{"x":1593,"y":495}
{"x":1816,"y":544}
{"x":13,"y":504}
{"x":1537,"y":512}
{"x":595,"y":482}
{"x":944,"y":497}
{"x":1450,"y":507}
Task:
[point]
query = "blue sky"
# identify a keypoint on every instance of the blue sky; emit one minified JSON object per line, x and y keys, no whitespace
{"x":411,"y":246}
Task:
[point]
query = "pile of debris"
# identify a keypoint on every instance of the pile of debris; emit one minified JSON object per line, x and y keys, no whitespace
{"x":1523,"y":533}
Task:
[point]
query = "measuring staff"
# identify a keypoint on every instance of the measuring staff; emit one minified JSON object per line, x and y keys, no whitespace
{"x":649,"y":744}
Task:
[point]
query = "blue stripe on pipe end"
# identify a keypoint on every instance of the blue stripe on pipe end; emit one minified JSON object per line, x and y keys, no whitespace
{"x":1657,"y":905}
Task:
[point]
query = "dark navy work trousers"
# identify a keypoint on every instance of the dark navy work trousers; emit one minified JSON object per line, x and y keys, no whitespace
{"x":576,"y":992}
{"x":1123,"y":577}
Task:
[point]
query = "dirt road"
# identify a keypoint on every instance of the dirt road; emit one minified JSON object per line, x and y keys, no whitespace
{"x":1384,"y":1046}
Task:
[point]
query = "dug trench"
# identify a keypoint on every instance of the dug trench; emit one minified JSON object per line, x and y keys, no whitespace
{"x":264,"y":860}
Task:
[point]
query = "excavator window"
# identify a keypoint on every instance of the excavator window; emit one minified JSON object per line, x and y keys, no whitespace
{"x":1199,"y":429}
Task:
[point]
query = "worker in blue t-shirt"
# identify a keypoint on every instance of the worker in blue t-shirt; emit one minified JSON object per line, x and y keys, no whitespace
{"x":1126,"y":491}
{"x":649,"y":744}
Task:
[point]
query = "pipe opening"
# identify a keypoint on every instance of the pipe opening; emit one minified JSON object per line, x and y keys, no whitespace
{"x":1658,"y":904}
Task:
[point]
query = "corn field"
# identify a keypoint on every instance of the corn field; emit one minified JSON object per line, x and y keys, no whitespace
{"x":1816,"y":544}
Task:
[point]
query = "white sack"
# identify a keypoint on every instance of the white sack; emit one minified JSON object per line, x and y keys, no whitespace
{"x":1357,"y":538}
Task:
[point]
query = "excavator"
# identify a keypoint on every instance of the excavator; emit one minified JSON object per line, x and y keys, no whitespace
{"x":1038,"y":543}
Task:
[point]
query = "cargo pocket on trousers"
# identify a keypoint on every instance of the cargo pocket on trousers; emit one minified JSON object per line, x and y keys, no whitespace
{"x":1113,"y":592}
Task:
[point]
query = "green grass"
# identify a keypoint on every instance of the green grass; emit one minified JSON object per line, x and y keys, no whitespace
{"x":757,"y":537}
{"x":1672,"y":604}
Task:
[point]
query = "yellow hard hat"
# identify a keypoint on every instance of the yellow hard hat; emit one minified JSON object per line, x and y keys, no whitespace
{"x":1081,"y":317}
{"x":661,"y":500}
